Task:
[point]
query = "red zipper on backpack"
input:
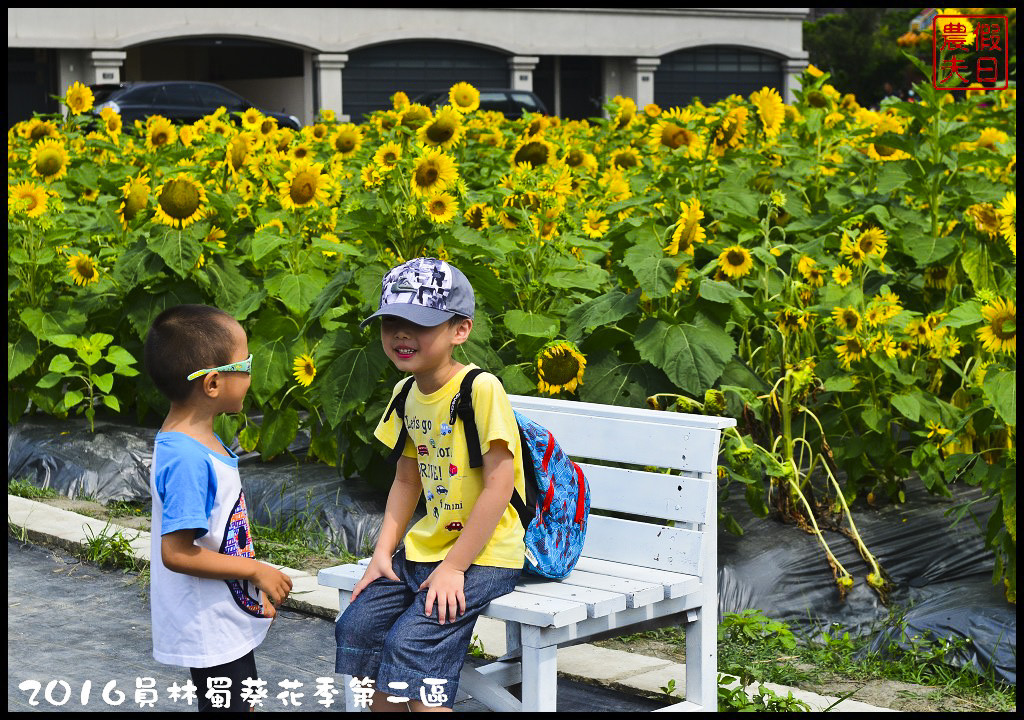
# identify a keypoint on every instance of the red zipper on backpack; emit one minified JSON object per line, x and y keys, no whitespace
{"x":580,"y":499}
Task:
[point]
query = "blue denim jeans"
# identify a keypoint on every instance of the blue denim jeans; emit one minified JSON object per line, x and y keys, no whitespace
{"x":385,"y":634}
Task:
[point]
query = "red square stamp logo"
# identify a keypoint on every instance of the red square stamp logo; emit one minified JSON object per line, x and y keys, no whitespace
{"x":970,"y":50}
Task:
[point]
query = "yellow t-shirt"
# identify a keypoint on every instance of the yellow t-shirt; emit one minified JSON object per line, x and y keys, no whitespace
{"x":450,"y":486}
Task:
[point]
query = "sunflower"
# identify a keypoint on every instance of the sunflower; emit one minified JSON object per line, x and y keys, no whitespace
{"x":266,"y":129}
{"x":885,"y":153}
{"x":36,"y":129}
{"x":136,"y":198}
{"x":560,"y":366}
{"x":790,"y":320}
{"x":985,"y":218}
{"x":441,"y":208}
{"x":83,"y":269}
{"x":534,"y":151}
{"x":399,"y":101}
{"x":49,"y":160}
{"x":388,"y":155}
{"x":851,"y":250}
{"x":576,"y":157}
{"x":464,"y":97}
{"x":477,"y":216}
{"x":216,"y":235}
{"x":434,"y":171}
{"x":300,"y":152}
{"x":111,"y":122}
{"x":237,"y":151}
{"x":842,"y":275}
{"x":331,"y":238}
{"x":735,"y":262}
{"x":730,"y":131}
{"x":180,"y":202}
{"x":625,"y":112}
{"x":159,"y":132}
{"x":770,"y":109}
{"x":625,"y":158}
{"x":1007,"y":213}
{"x":850,"y":349}
{"x":415,"y":115}
{"x":347,"y":139}
{"x":1000,"y":331}
{"x":28,"y":198}
{"x":79,"y":99}
{"x":444,"y":130}
{"x":688,"y":230}
{"x":846,"y":319}
{"x":670,"y":132}
{"x":919,"y":330}
{"x":990,"y":137}
{"x":873,"y":242}
{"x":682,"y":278}
{"x":90,"y":194}
{"x":251,"y":118}
{"x":304,"y":186}
{"x":652,"y":110}
{"x":595,"y":224}
{"x":304,"y":370}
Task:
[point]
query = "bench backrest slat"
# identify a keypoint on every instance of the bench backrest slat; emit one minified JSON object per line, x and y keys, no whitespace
{"x":668,"y":497}
{"x":644,"y":544}
{"x":634,"y":441}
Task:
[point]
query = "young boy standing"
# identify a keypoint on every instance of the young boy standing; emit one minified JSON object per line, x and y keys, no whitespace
{"x":412,"y":614}
{"x":211,"y":601}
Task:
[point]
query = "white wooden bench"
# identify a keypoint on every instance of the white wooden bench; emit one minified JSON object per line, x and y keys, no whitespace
{"x":655,"y":569}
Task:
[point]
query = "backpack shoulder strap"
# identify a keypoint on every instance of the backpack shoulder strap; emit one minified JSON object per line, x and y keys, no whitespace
{"x":462,"y":408}
{"x":398,"y":406}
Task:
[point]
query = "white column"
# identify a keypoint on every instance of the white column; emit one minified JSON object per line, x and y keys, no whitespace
{"x":792,"y":69}
{"x":106,"y":66}
{"x":328,"y":68}
{"x":645,"y":68}
{"x":522,"y":67}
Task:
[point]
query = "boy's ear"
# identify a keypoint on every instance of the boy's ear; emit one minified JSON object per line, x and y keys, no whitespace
{"x":462,"y":331}
{"x":211,"y":384}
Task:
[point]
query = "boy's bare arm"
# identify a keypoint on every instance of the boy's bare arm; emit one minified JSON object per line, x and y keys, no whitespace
{"x":180,"y":554}
{"x":499,"y":484}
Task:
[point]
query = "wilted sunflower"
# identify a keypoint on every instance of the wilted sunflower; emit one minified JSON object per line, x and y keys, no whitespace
{"x":83,"y":269}
{"x":79,"y":99}
{"x":985,"y":218}
{"x":770,"y":109}
{"x":535,"y":151}
{"x":477,"y":216}
{"x":1008,"y":219}
{"x":28,"y":198}
{"x":388,"y":155}
{"x":850,"y":349}
{"x":999,"y":334}
{"x":688,"y":230}
{"x":444,"y":130}
{"x":347,"y":139}
{"x":464,"y":97}
{"x":560,"y":366}
{"x":136,"y":198}
{"x":49,"y":160}
{"x":180,"y":202}
{"x":304,"y":370}
{"x":595,"y":224}
{"x":847,"y":319}
{"x":440,"y":208}
{"x":735,"y":262}
{"x":790,"y":320}
{"x":159,"y":132}
{"x":434,"y":171}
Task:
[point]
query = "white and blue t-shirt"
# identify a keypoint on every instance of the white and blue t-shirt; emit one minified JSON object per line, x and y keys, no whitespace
{"x":200,"y":622}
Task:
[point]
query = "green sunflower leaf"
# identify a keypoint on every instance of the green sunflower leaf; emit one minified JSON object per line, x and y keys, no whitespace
{"x":908,"y":406}
{"x":693,"y":356}
{"x":279,"y":429}
{"x":654,"y":271}
{"x":179,"y":249}
{"x":603,"y":310}
{"x":531,"y":324}
{"x":271,"y":362}
{"x":612,"y":381}
{"x":350,"y":380}
{"x":297,"y":292}
{"x":1000,"y":388}
{"x":20,"y":355}
{"x":61,"y":364}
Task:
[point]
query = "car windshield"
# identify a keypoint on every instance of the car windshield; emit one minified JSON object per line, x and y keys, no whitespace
{"x":525,"y":100}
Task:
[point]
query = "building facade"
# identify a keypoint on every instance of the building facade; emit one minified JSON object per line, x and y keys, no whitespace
{"x":351,"y":60}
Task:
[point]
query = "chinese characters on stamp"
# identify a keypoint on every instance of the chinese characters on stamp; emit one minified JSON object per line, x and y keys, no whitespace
{"x":970,"y":51}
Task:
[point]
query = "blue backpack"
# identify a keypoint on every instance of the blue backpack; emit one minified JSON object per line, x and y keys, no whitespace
{"x":557,"y":503}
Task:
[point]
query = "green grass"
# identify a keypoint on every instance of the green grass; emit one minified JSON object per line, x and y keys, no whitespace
{"x":23,"y":488}
{"x":757,"y":649}
{"x":297,"y":543}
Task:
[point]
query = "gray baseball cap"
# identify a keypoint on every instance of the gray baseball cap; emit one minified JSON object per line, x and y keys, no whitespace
{"x":425,"y":291}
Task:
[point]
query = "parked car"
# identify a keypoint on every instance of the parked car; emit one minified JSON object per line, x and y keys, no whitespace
{"x":183,"y":102}
{"x":510,"y":102}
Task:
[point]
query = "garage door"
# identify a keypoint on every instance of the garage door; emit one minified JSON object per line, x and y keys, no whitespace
{"x":713,"y":73}
{"x":373,"y":74}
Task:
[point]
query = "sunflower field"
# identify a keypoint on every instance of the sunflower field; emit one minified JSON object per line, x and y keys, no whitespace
{"x":840,"y":279}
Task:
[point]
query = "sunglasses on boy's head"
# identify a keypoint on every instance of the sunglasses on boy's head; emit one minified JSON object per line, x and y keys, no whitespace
{"x":240,"y":366}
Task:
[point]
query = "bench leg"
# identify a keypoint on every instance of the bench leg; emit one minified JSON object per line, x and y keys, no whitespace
{"x":540,"y":673}
{"x":702,"y":661}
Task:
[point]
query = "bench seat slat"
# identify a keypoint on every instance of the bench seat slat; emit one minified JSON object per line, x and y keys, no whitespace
{"x":599,"y":602}
{"x":644,"y":544}
{"x":675,"y":584}
{"x":638,"y":593}
{"x":668,"y":497}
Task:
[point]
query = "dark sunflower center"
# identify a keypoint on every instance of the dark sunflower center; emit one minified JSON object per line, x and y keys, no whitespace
{"x":850,"y":320}
{"x":49,"y":162}
{"x":735,"y":258}
{"x":817,"y":99}
{"x":574,"y":158}
{"x":179,"y":199}
{"x":84,"y":268}
{"x":303,"y":187}
{"x":674,"y":136}
{"x":345,"y":143}
{"x":1000,"y":329}
{"x":559,"y":367}
{"x":476,"y":218}
{"x":534,"y":153}
{"x":137,"y":199}
{"x":426,"y":175}
{"x":441,"y":131}
{"x":625,"y":160}
{"x":884,"y":150}
{"x":237,"y":152}
{"x":160,"y":137}
{"x":38,"y":133}
{"x":438,"y":207}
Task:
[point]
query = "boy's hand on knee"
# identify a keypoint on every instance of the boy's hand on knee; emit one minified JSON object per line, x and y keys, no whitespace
{"x":445,"y":585}
{"x":274,"y":583}
{"x":380,"y":566}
